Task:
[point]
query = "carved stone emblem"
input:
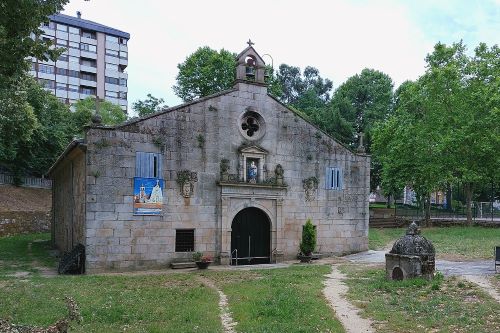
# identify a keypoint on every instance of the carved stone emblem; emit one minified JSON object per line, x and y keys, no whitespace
{"x":278,"y":172}
{"x":310,"y":186}
{"x":224,"y":170}
{"x":186,"y":180}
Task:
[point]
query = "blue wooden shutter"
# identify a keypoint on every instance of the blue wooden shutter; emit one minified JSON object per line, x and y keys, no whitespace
{"x":328,"y":178}
{"x":145,"y":165}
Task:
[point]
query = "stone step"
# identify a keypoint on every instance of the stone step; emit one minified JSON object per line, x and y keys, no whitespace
{"x":180,"y":265}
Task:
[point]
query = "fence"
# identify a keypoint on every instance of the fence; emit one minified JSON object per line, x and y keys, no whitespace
{"x":480,"y":211}
{"x":26,"y":181}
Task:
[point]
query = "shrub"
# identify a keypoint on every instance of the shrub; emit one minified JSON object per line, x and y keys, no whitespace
{"x":308,"y":243}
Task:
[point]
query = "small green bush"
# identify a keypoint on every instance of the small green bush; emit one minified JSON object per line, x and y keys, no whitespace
{"x":308,"y":243}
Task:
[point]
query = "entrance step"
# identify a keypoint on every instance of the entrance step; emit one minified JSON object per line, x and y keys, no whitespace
{"x":180,"y":265}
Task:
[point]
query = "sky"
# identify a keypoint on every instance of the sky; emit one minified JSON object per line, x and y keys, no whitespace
{"x":338,"y":37}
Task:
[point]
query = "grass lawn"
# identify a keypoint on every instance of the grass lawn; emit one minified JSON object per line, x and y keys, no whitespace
{"x":113,"y":303}
{"x":278,"y":300}
{"x":441,"y":305}
{"x":453,"y":242}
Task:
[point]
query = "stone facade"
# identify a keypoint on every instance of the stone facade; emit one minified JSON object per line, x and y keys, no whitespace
{"x":200,"y":137}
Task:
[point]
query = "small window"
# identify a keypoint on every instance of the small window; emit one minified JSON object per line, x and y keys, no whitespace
{"x":123,"y":41}
{"x":46,"y":69}
{"x":112,"y":53}
{"x":123,"y":82}
{"x":112,"y":94}
{"x":88,"y":34}
{"x":112,"y":80}
{"x":112,"y":39}
{"x":73,"y":30}
{"x":72,"y":88}
{"x":74,"y":45}
{"x":334,"y":179}
{"x":87,"y":90}
{"x":184,"y":240}
{"x":74,"y":59}
{"x":62,"y":27}
{"x":123,"y":55}
{"x":148,"y":165}
{"x":112,"y":67}
{"x":63,"y":57}
{"x":88,"y":47}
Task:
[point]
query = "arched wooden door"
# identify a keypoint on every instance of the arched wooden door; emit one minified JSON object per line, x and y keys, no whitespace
{"x":251,"y":237}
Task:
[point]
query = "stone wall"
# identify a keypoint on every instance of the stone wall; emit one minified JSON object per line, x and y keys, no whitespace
{"x":196,"y":137}
{"x":15,"y":223}
{"x":68,"y":201}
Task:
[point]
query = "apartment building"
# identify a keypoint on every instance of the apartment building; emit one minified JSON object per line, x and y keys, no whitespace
{"x":94,"y":63}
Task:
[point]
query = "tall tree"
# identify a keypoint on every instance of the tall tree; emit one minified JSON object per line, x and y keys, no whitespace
{"x":52,"y":134}
{"x":19,"y":39}
{"x":19,"y":21}
{"x":363,"y":100}
{"x":149,"y":105}
{"x":307,"y":90}
{"x":446,"y":128}
{"x":205,"y":72}
{"x":111,"y":114}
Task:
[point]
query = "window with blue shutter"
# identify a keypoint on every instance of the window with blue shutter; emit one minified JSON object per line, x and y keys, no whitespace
{"x":148,"y":165}
{"x":334,"y":179}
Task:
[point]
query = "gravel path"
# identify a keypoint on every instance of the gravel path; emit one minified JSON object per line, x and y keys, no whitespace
{"x":225,"y":315}
{"x":334,"y":291}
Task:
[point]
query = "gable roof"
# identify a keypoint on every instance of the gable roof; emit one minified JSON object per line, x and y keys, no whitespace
{"x":250,"y":48}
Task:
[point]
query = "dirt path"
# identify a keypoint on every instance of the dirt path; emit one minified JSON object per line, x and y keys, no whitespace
{"x":225,"y":315}
{"x":334,"y":291}
{"x":484,"y":284}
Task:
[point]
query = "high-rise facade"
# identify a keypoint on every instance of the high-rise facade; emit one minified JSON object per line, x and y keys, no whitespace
{"x":93,"y":64}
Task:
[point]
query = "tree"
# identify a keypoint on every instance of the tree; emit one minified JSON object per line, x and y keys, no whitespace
{"x":149,"y":105}
{"x":205,"y":72}
{"x":19,"y":20}
{"x":363,"y":100}
{"x":303,"y":91}
{"x":50,"y":137}
{"x":111,"y":114}
{"x":446,"y":128}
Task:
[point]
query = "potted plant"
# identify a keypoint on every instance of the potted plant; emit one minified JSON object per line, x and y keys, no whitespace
{"x":308,"y":242}
{"x":202,"y":261}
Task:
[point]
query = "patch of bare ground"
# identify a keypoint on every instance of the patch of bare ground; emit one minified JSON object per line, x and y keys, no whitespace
{"x":335,"y":292}
{"x":23,"y":199}
{"x":485,"y":284}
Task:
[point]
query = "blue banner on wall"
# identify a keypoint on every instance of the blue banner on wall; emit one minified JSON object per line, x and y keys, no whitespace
{"x":148,"y":196}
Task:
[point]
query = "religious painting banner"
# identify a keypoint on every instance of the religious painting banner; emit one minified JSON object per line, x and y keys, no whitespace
{"x":148,"y":196}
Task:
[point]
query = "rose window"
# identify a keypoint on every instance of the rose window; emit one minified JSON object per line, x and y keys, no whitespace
{"x":250,"y":126}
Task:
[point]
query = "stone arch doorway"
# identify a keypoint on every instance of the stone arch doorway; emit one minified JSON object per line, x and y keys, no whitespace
{"x":251,"y":237}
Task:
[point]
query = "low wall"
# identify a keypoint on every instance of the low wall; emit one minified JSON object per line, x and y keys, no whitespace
{"x":14,"y":223}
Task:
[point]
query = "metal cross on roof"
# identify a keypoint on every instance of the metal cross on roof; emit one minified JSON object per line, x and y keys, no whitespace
{"x":250,"y":43}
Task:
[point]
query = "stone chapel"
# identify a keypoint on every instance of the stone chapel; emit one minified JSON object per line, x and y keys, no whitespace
{"x":234,"y":175}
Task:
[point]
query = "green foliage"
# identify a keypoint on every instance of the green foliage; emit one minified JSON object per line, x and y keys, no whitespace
{"x":148,"y":106}
{"x":305,"y":91}
{"x":308,"y":243}
{"x":362,"y":101}
{"x":205,"y":72}
{"x":18,"y":20}
{"x":444,"y":124}
{"x":111,"y":113}
{"x":35,"y":127}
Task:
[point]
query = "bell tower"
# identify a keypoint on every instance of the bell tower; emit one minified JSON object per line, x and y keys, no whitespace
{"x":250,"y":68}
